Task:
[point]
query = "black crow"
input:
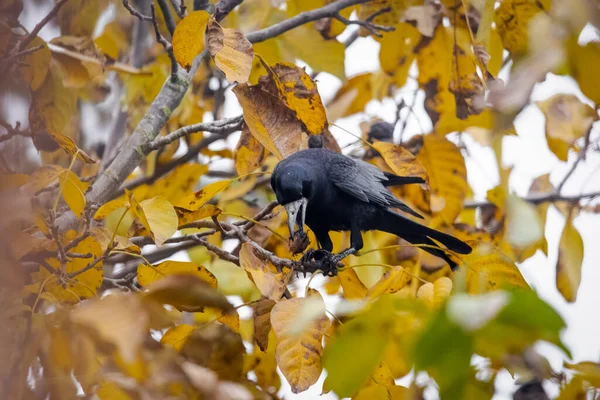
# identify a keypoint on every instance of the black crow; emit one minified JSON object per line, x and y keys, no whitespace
{"x":329,"y":191}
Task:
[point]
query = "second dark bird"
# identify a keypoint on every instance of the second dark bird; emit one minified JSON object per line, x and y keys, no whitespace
{"x":329,"y":191}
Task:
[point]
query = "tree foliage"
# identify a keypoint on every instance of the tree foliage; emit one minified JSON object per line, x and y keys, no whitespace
{"x":94,"y":303}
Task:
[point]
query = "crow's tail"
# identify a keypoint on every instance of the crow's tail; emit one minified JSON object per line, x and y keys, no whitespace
{"x":395,"y":180}
{"x":416,"y":233}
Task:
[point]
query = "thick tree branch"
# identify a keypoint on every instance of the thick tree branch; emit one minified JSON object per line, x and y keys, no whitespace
{"x":169,"y":98}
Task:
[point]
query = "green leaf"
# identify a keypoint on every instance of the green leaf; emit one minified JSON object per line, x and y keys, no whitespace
{"x":353,"y":355}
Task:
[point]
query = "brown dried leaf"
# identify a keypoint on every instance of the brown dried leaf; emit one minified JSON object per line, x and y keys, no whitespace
{"x":269,"y":282}
{"x":232,"y":52}
{"x":262,"y":321}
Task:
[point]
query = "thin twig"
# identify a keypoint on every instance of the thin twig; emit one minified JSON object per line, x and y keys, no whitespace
{"x":165,"y":44}
{"x":166,"y":12}
{"x":136,"y":13}
{"x":580,"y":157}
{"x":540,"y":198}
{"x":23,"y":53}
{"x":90,"y":265}
{"x":180,"y":8}
{"x":368,"y":25}
{"x":34,"y":32}
{"x":12,"y":132}
{"x":220,"y":127}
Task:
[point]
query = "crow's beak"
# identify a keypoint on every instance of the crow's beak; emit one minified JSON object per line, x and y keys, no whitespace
{"x":292,"y":210}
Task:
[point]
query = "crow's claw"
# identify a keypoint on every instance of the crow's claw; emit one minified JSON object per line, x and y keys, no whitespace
{"x":323,"y":260}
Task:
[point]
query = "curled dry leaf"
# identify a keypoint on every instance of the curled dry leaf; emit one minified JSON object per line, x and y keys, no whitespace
{"x":147,"y":274}
{"x":269,"y":120}
{"x":269,"y":282}
{"x":232,"y":52}
{"x":262,"y":321}
{"x":570,"y":260}
{"x":299,"y":355}
{"x":188,"y":38}
{"x":186,"y":293}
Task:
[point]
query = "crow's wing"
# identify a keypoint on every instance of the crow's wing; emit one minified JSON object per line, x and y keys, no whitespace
{"x":364,"y":182}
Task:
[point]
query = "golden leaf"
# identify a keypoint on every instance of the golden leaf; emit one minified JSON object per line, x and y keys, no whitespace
{"x":230,"y":318}
{"x":425,"y":293}
{"x":447,"y":175}
{"x":42,"y":177}
{"x":187,"y":216}
{"x":177,"y":335}
{"x":188,"y":38}
{"x":147,"y":274}
{"x":512,"y":22}
{"x":158,"y":216}
{"x":195,"y":201}
{"x":321,"y":55}
{"x":262,"y":321}
{"x":73,"y":191}
{"x":68,"y":146}
{"x":35,"y":65}
{"x":570,"y":260}
{"x":273,"y":124}
{"x":79,"y":17}
{"x":581,"y":60}
{"x":103,"y":237}
{"x":83,"y":285}
{"x":401,"y":161}
{"x":269,"y":283}
{"x":77,"y":64}
{"x":299,"y":356}
{"x":351,"y":284}
{"x":567,"y":119}
{"x":351,"y":98}
{"x":396,"y":51}
{"x":112,"y":41}
{"x":587,"y":370}
{"x":231,"y":51}
{"x":186,"y":293}
{"x":264,"y":366}
{"x":249,"y":153}
{"x":392,"y":281}
{"x":488,"y":269}
{"x":442,"y":287}
{"x":299,"y":92}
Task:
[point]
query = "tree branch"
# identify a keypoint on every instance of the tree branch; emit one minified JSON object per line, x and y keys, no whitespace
{"x":166,"y":12}
{"x":329,"y":11}
{"x":541,"y":198}
{"x":34,"y":32}
{"x":161,"y":39}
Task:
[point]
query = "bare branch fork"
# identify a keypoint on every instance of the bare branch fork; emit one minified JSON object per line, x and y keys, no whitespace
{"x":169,"y":98}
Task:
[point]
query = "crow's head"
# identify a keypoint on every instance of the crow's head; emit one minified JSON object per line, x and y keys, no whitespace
{"x":292,"y":186}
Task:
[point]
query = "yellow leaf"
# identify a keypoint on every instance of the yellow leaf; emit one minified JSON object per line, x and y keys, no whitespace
{"x":425,"y":293}
{"x":109,"y":207}
{"x":321,"y":55}
{"x":238,"y":189}
{"x":587,"y":370}
{"x":373,"y":392}
{"x":230,"y":318}
{"x":36,"y":64}
{"x":582,"y":59}
{"x":188,"y":38}
{"x":299,"y":356}
{"x":103,"y":237}
{"x":112,"y":41}
{"x":269,"y":283}
{"x":488,"y":269}
{"x":570,"y":259}
{"x":567,"y":119}
{"x":392,"y":281}
{"x":186,"y":293}
{"x":81,"y":63}
{"x":249,"y":153}
{"x":264,"y":366}
{"x":351,"y":284}
{"x":42,"y":177}
{"x":262,"y":321}
{"x":83,"y":285}
{"x":147,"y":274}
{"x":178,"y":183}
{"x":195,"y":201}
{"x":351,"y":98}
{"x":158,"y":216}
{"x":401,"y":161}
{"x":68,"y":146}
{"x":396,"y":51}
{"x":299,"y":92}
{"x":177,"y":335}
{"x":79,"y":18}
{"x":442,"y":287}
{"x":120,"y":320}
{"x":512,"y":22}
{"x":187,"y":216}
{"x":73,"y":191}
{"x":524,"y":226}
{"x":447,"y":175}
{"x":272,"y":123}
{"x":231,"y":51}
